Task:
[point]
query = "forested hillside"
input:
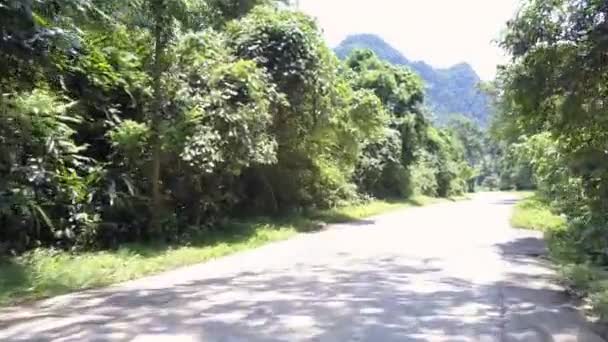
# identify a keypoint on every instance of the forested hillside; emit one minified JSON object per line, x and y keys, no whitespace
{"x":128,"y":121}
{"x":448,"y":91}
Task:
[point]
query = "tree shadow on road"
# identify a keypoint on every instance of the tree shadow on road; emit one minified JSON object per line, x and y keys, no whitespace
{"x":389,"y":299}
{"x":506,"y":202}
{"x":536,"y":303}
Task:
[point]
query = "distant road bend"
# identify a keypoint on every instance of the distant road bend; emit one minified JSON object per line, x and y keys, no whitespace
{"x":448,"y":272}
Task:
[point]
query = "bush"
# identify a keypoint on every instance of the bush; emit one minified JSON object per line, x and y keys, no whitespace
{"x":424,"y":181}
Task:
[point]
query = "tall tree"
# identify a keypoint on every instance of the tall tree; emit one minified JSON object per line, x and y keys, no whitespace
{"x":553,"y":94}
{"x":162,"y":31}
{"x":384,"y":164}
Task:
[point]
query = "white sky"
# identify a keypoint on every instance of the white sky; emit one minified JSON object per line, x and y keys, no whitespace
{"x":439,"y":32}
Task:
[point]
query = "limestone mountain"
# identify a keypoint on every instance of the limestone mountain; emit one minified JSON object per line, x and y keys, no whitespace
{"x":449,"y":90}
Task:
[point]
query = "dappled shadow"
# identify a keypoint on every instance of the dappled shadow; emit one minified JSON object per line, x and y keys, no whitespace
{"x":14,"y":279}
{"x":387,"y":299}
{"x":536,"y":308}
{"x":508,"y":202}
{"x":373,"y":301}
{"x":527,"y":260}
{"x":358,"y":223}
{"x":524,"y":246}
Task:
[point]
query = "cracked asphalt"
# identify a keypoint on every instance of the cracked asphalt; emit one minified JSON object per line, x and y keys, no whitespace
{"x":447,"y":272}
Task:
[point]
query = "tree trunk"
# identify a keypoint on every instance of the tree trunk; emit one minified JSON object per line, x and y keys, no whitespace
{"x":156,"y":119}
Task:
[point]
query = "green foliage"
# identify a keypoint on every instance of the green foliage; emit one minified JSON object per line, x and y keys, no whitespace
{"x":218,"y":12}
{"x":452,"y":90}
{"x":40,"y":162}
{"x":450,"y":167}
{"x":412,"y":156}
{"x":470,"y":135}
{"x":226,"y":110}
{"x":130,"y":138}
{"x":424,"y":178}
{"x":376,"y":161}
{"x":515,"y":168}
{"x":535,"y":213}
{"x":157,"y":119}
{"x":554,"y":84}
{"x":321,"y":121}
{"x":383,"y":165}
{"x":550,"y":94}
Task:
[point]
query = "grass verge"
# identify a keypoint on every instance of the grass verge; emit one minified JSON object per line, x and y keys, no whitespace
{"x":532,"y":212}
{"x":45,"y":273}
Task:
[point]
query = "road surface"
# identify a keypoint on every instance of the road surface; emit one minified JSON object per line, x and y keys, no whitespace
{"x":448,"y":272}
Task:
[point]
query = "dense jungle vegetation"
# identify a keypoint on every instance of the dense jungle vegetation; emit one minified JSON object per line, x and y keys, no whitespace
{"x":132,"y":121}
{"x":553,"y":100}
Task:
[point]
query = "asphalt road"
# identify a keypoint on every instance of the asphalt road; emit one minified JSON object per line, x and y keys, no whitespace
{"x":448,"y":272}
